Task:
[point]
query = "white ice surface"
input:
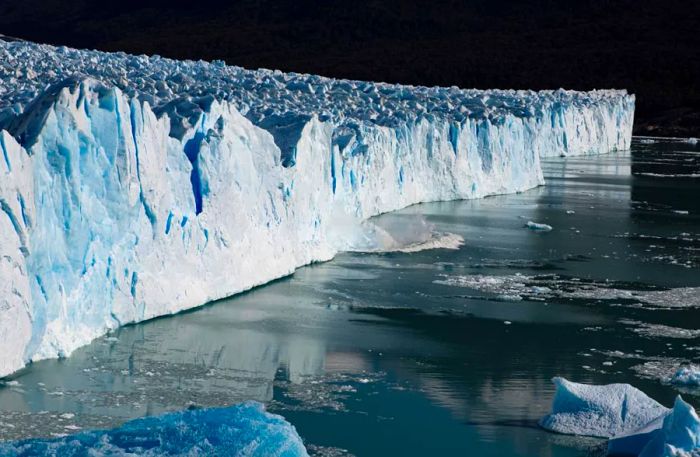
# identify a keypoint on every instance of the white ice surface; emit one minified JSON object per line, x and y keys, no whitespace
{"x":602,"y":411}
{"x":133,"y":187}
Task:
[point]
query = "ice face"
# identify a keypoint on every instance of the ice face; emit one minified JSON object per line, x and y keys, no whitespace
{"x":674,"y":434}
{"x":679,"y":436}
{"x":244,"y":430}
{"x":602,"y":411}
{"x":538,"y":226}
{"x":135,"y":187}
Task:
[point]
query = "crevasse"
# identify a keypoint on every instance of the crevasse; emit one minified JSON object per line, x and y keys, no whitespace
{"x":135,"y":187}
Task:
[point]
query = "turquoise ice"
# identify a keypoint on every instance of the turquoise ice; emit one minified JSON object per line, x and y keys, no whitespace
{"x":245,"y":430}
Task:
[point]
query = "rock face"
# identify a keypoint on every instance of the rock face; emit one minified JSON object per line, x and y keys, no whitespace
{"x":135,"y":187}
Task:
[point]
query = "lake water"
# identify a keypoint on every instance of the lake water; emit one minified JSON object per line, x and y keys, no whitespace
{"x":437,"y":352}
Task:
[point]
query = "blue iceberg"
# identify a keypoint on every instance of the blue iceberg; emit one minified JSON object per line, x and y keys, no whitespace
{"x":602,"y":411}
{"x":635,"y":424}
{"x":686,"y":376}
{"x":679,"y":435}
{"x":244,"y":430}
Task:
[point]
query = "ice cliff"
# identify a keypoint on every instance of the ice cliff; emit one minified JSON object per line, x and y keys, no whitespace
{"x":133,"y":187}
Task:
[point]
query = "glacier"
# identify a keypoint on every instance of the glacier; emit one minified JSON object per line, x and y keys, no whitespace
{"x":635,"y":424}
{"x":133,"y":187}
{"x":244,"y":430}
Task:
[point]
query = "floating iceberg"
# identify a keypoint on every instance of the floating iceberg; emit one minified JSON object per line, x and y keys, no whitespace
{"x":688,"y":376}
{"x":244,"y":430}
{"x":133,"y":187}
{"x":636,"y":424}
{"x":602,"y":411}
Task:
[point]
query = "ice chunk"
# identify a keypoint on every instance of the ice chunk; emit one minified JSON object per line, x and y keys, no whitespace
{"x":538,"y":226}
{"x":674,"y":434}
{"x":679,"y":436}
{"x":688,"y":376}
{"x":602,"y":411}
{"x":636,"y":424}
{"x":242,"y":430}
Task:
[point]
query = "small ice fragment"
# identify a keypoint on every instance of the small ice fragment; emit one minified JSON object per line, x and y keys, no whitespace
{"x":680,"y":211}
{"x":688,"y":376}
{"x":507,"y":322}
{"x":538,"y":226}
{"x":570,"y":211}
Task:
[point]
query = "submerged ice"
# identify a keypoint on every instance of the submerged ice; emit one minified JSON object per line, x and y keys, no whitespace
{"x":133,"y":187}
{"x":635,"y":424}
{"x":244,"y":430}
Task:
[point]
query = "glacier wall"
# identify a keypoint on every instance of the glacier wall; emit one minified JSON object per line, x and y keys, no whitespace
{"x":123,"y":201}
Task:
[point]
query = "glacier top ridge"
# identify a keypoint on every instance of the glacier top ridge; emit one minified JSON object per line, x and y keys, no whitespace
{"x":276,"y":101}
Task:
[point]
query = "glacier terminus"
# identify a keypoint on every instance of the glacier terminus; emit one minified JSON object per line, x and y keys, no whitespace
{"x":133,"y":187}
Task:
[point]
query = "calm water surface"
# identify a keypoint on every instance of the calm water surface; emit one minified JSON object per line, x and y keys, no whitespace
{"x":439,"y":352}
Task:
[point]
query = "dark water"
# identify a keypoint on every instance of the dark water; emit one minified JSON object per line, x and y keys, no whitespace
{"x":439,"y":352}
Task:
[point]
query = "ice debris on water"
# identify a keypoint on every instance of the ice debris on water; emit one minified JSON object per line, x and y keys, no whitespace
{"x":549,"y":286}
{"x":538,"y":226}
